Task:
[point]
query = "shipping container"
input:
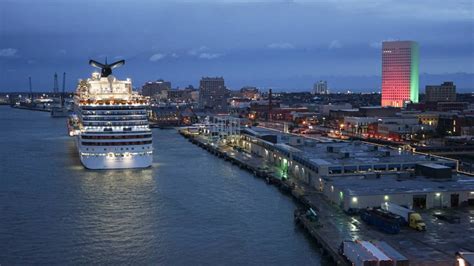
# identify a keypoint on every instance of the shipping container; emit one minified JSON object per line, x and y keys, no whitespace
{"x":381,"y":222}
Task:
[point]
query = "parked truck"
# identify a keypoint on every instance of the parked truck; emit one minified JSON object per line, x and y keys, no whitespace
{"x":411,"y":218}
{"x":382,"y":220}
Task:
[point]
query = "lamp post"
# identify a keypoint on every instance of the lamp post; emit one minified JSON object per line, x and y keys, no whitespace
{"x":341,"y":127}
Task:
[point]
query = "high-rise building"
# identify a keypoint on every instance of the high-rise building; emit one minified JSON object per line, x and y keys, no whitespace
{"x":399,"y":73}
{"x":213,"y":93}
{"x":445,"y":92}
{"x":320,"y":87}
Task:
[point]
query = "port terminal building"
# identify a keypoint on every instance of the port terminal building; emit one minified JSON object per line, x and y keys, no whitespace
{"x":355,"y":175}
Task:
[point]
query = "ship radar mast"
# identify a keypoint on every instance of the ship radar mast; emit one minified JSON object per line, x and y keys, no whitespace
{"x":106,"y":69}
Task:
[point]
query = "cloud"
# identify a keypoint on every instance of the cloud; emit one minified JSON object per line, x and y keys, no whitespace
{"x":157,"y":57}
{"x":8,"y":52}
{"x":335,"y":44}
{"x":281,"y":45}
{"x":197,"y":51}
{"x":202,"y":53}
{"x":30,"y":62}
{"x":62,"y":52}
{"x":209,"y":55}
{"x":174,"y":55}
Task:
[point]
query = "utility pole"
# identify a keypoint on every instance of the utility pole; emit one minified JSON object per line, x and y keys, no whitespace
{"x":64,"y":88}
{"x":55,"y":88}
{"x":270,"y":96}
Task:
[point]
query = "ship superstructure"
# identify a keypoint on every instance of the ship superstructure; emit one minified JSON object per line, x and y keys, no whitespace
{"x":110,"y":123}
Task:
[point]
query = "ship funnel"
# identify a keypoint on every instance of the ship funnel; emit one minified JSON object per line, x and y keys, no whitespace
{"x":106,"y":69}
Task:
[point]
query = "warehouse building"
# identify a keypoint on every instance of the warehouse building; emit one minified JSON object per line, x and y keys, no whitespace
{"x":358,"y":175}
{"x":417,"y":192}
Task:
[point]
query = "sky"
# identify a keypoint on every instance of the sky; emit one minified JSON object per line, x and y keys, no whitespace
{"x":286,"y":45}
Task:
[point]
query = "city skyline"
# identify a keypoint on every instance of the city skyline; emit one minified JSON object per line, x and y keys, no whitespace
{"x":264,"y":44}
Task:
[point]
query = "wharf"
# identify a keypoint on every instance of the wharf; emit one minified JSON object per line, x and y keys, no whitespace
{"x":32,"y":108}
{"x":436,"y":246}
{"x":326,"y":239}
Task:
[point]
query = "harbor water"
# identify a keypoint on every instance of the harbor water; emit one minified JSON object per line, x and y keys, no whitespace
{"x":190,"y":208}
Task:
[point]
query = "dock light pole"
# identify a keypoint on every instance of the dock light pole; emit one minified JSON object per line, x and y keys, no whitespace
{"x":438,"y":195}
{"x":31,"y":89}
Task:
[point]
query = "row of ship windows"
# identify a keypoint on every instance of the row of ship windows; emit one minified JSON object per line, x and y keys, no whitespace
{"x":122,"y":149}
{"x":115,"y":155}
{"x":113,"y":113}
{"x":117,"y":137}
{"x":107,"y":128}
{"x":113,"y":107}
{"x":116,"y":143}
{"x":115,"y":123}
{"x":86,"y":118}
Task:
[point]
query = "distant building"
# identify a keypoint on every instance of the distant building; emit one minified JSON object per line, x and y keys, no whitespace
{"x":386,"y":127}
{"x":451,"y":106}
{"x":397,"y":127}
{"x":250,"y":92}
{"x":378,"y":111}
{"x":445,"y":92}
{"x":239,"y":103}
{"x":326,"y":108}
{"x":399,"y":73}
{"x":451,"y":123}
{"x":320,"y":87}
{"x":213,"y":93}
{"x":188,"y":94}
{"x":338,"y":115}
{"x":428,"y":118}
{"x":156,"y":88}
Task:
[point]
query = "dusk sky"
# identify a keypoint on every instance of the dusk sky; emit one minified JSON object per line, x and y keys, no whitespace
{"x":280,"y":44}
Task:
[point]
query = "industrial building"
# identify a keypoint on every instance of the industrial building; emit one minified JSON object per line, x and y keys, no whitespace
{"x":413,"y":191}
{"x":356,"y":175}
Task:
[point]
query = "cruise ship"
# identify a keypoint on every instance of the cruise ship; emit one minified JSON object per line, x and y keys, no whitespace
{"x":110,"y":122}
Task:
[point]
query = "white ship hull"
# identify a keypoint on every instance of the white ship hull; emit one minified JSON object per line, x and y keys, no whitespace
{"x":107,"y":162}
{"x":111,"y":160}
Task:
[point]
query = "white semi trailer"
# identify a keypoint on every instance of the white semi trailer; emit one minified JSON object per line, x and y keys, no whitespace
{"x":413,"y":219}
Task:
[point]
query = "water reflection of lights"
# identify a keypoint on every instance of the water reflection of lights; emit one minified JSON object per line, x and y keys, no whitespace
{"x":354,"y":225}
{"x":116,"y":200}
